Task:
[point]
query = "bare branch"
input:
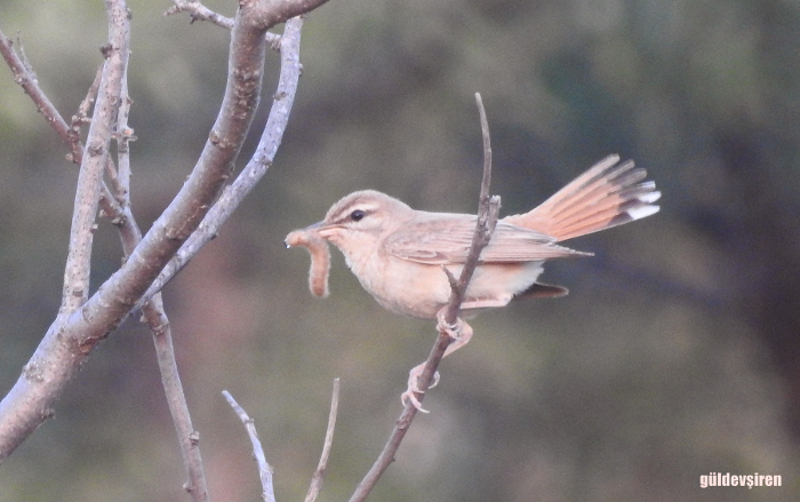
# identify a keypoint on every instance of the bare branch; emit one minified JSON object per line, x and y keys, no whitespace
{"x":319,"y":474}
{"x":153,"y":312}
{"x":156,"y":318}
{"x":488,"y":209}
{"x":68,"y":133}
{"x":23,"y":409}
{"x":130,"y":236}
{"x":124,"y":137}
{"x":153,"y":309}
{"x":72,"y":337}
{"x":264,"y":469}
{"x":188,"y":438}
{"x":80,"y":118}
{"x":26,"y":78}
{"x":234,"y":194}
{"x":200,"y":12}
{"x":98,"y":142}
{"x":230,"y":199}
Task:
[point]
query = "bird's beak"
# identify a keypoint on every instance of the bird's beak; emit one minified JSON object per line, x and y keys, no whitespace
{"x":316,"y":226}
{"x":322,"y":229}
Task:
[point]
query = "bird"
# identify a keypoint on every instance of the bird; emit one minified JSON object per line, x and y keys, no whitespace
{"x":397,"y":252}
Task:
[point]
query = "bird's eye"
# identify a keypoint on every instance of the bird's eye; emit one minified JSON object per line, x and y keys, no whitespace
{"x":357,"y":215}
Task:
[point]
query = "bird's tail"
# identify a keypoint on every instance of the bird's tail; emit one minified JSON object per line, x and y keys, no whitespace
{"x":607,"y":195}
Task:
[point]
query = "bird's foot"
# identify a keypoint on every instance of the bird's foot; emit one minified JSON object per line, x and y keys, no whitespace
{"x":458,"y":331}
{"x":413,"y":387}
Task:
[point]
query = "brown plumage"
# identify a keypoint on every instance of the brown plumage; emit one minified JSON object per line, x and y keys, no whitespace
{"x":397,"y":252}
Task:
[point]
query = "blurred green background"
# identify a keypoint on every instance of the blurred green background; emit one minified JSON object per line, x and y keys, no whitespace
{"x":676,"y":354}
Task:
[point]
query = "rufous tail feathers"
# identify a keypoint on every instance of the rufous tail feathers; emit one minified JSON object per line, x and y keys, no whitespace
{"x":607,"y":195}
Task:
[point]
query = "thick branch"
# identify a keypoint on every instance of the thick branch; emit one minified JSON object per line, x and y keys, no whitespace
{"x":257,"y":167}
{"x":230,"y":199}
{"x":69,"y":340}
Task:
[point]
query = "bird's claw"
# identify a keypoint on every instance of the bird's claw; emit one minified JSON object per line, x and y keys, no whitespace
{"x":453,"y":330}
{"x":410,"y":395}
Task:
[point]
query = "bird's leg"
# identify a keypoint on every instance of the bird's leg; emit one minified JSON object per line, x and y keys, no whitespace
{"x":460,"y":334}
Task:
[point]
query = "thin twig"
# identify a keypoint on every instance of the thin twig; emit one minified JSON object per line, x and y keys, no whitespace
{"x":80,"y":118}
{"x":67,"y":133}
{"x":200,"y":12}
{"x":124,"y":137}
{"x":98,"y":142}
{"x":488,"y":208}
{"x":25,"y":77}
{"x":188,"y":438}
{"x":319,"y":474}
{"x":264,"y":469}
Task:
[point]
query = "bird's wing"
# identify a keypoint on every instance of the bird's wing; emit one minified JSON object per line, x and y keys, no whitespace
{"x":440,"y":239}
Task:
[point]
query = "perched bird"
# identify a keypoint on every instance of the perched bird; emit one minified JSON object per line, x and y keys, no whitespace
{"x":397,"y":253}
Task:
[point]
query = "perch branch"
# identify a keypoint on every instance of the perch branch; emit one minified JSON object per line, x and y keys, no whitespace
{"x":488,"y":208}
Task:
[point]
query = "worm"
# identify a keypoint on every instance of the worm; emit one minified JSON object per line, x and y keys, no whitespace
{"x":320,"y":259}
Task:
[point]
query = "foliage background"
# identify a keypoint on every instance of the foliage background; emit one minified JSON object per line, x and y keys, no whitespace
{"x":675,"y":354}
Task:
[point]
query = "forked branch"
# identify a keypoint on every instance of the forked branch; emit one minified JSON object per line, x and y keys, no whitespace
{"x":233,"y":194}
{"x":265,"y":470}
{"x":84,"y":323}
